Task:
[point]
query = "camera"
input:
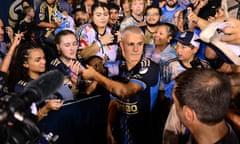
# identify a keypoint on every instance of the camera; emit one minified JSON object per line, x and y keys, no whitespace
{"x":15,"y":109}
{"x":21,"y":131}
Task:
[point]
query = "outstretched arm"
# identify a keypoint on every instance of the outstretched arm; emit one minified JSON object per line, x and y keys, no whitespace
{"x":122,"y":90}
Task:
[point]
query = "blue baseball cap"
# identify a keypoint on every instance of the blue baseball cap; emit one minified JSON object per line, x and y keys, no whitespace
{"x":189,"y":38}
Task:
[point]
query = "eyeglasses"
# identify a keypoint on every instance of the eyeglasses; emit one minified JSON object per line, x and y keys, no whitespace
{"x":152,"y":14}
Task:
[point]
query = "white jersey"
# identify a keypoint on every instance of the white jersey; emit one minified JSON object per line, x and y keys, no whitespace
{"x":88,"y":35}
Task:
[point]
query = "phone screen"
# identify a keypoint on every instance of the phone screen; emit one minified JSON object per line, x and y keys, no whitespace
{"x":185,"y":20}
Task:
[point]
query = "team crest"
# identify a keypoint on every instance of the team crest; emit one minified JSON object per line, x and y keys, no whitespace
{"x":41,"y":16}
{"x":143,"y":70}
{"x":183,"y":34}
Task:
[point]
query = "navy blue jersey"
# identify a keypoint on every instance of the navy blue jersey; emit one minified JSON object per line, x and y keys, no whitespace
{"x":135,"y":110}
{"x":19,"y":87}
{"x":58,"y":64}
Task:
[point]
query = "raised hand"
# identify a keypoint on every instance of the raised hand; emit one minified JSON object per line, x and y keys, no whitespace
{"x":88,"y":73}
{"x":10,"y":33}
{"x":106,"y":39}
{"x":232,"y":32}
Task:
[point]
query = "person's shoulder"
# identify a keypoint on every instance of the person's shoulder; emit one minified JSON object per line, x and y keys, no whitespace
{"x":147,"y":63}
{"x":43,"y":5}
{"x":41,"y":11}
{"x":172,"y":62}
{"x":58,"y":64}
{"x":169,"y":48}
{"x":168,"y":54}
{"x":230,"y":137}
{"x":20,"y":85}
{"x":57,"y":4}
{"x":163,"y":8}
{"x":179,"y":7}
{"x":148,"y":72}
{"x":86,"y":28}
{"x":127,"y":20}
{"x":55,"y":62}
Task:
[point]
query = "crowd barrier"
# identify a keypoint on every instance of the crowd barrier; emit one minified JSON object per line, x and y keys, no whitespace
{"x":79,"y":122}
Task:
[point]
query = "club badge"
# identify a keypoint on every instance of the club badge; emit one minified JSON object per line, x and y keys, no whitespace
{"x":143,"y":70}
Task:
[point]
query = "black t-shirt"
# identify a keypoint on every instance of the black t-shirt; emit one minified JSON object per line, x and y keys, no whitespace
{"x":230,"y":138}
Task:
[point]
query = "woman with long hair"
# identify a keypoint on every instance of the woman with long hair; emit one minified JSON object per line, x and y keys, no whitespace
{"x":66,"y":62}
{"x":28,"y":64}
{"x":95,"y":38}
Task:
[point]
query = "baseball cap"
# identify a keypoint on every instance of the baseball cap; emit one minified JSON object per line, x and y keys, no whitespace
{"x":79,"y":8}
{"x":189,"y":38}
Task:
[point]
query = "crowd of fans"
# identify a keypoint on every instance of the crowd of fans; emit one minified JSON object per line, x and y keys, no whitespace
{"x":138,"y":55}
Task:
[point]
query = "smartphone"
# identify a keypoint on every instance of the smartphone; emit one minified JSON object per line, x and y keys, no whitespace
{"x":185,"y":20}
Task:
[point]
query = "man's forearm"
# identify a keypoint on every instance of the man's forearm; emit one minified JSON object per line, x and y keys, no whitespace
{"x":119,"y":89}
{"x":47,"y":25}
